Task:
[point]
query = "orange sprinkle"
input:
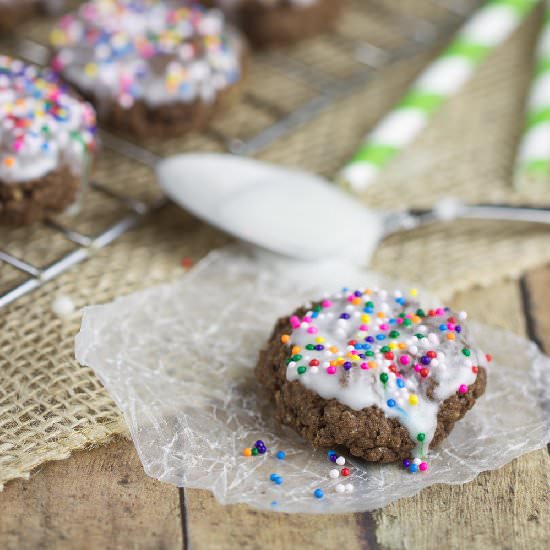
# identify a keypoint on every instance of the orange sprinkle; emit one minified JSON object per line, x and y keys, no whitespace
{"x":450,"y":336}
{"x":416,"y":319}
{"x":296,"y":350}
{"x":373,"y":364}
{"x":285,"y":338}
{"x":9,"y":161}
{"x":367,"y":291}
{"x":247,"y":452}
{"x":333,"y":349}
{"x":402,"y":345}
{"x":381,"y":314}
{"x":356,"y":301}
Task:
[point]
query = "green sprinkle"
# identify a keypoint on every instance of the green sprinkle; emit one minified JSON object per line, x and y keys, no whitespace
{"x":296,"y":357}
{"x":407,"y":323}
{"x":310,"y":346}
{"x":466,"y":352}
{"x":385,"y":349}
{"x":420,"y":313}
{"x":369,"y":353}
{"x":301,"y":370}
{"x":369,"y":304}
{"x":394,"y":334}
{"x":254,"y":452}
{"x":421,"y":436}
{"x":384,"y":378}
{"x":317,"y":308}
{"x":420,"y":336}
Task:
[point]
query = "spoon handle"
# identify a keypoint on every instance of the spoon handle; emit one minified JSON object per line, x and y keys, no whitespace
{"x":414,"y":218}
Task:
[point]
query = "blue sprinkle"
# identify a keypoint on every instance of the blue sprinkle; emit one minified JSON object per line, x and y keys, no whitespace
{"x":281,"y":455}
{"x":380,"y":337}
{"x":274,"y":503}
{"x":369,"y":310}
{"x":331,"y":453}
{"x":272,"y":477}
{"x":278,"y":480}
{"x":400,"y":383}
{"x":442,"y":327}
{"x":318,"y":493}
{"x":391,"y":402}
{"x":413,"y":468}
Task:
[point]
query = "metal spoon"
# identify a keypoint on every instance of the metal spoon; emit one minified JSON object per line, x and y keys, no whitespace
{"x":299,"y":214}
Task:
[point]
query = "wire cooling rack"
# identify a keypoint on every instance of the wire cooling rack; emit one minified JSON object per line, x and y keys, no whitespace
{"x":372,"y":35}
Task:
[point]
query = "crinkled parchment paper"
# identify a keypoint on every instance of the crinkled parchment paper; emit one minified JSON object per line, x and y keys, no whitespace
{"x":178,"y":359}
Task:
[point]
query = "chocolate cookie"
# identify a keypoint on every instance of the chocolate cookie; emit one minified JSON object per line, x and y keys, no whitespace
{"x":47,"y":138}
{"x":373,"y":373}
{"x":14,"y":12}
{"x":270,"y":22}
{"x":152,"y":68}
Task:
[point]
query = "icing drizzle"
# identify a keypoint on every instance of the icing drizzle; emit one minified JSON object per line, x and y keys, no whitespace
{"x":158,"y":52}
{"x":372,"y":348}
{"x":41,"y":125}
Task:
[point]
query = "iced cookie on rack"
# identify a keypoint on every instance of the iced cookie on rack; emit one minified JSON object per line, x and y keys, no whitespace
{"x":151,"y":67}
{"x":47,"y":141}
{"x":270,"y":22}
{"x":372,"y":372}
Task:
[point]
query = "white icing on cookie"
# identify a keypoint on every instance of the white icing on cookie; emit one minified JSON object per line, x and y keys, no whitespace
{"x":42,"y":127}
{"x":373,"y":348}
{"x":149,"y":50}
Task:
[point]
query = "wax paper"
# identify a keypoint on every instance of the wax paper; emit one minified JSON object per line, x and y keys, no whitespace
{"x":178,"y":360}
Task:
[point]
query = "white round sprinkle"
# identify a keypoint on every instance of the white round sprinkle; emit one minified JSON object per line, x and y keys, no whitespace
{"x":462,"y":315}
{"x":349,"y":488}
{"x":417,"y":461}
{"x":63,"y":306}
{"x":413,"y":350}
{"x":334,"y":473}
{"x":340,"y":488}
{"x":340,"y":461}
{"x":314,"y":370}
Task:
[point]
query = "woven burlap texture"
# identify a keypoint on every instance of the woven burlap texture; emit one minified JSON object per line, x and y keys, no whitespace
{"x":50,"y":406}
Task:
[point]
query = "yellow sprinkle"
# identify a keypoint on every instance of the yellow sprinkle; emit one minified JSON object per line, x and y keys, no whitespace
{"x":414,"y":292}
{"x":392,"y":345}
{"x":90,"y":69}
{"x":413,"y":399}
{"x":319,"y":339}
{"x":365,"y":318}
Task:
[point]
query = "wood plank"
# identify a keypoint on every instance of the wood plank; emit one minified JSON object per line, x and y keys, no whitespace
{"x":506,"y":508}
{"x":239,"y":526}
{"x":96,"y":499}
{"x":536,"y":296}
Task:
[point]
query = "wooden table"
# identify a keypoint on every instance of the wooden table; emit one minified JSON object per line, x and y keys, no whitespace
{"x":102,"y":499}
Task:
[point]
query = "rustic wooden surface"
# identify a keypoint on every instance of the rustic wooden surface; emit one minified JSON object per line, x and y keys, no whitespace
{"x":102,"y":499}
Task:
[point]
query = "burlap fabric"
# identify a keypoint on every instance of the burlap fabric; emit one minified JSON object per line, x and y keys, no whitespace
{"x":50,"y":406}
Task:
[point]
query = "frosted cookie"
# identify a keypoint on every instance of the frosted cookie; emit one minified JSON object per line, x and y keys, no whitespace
{"x":47,"y":137}
{"x":371,"y":372}
{"x":150,"y":67}
{"x":268,"y":22}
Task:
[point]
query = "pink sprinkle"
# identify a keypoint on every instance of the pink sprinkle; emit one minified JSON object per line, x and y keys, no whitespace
{"x":306,"y":319}
{"x":350,"y":298}
{"x":423,"y":466}
{"x":463,"y":388}
{"x":313,"y":330}
{"x":364,"y":366}
{"x":399,"y":321}
{"x":417,"y":368}
{"x":440,"y":311}
{"x":294,"y":321}
{"x":404,"y":359}
{"x":326,"y":303}
{"x":331,"y":370}
{"x":383,"y":326}
{"x":450,"y":326}
{"x":363,"y":327}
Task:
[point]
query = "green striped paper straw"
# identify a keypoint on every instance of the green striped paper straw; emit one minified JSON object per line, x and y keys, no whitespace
{"x":488,"y":28}
{"x":533,"y":159}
